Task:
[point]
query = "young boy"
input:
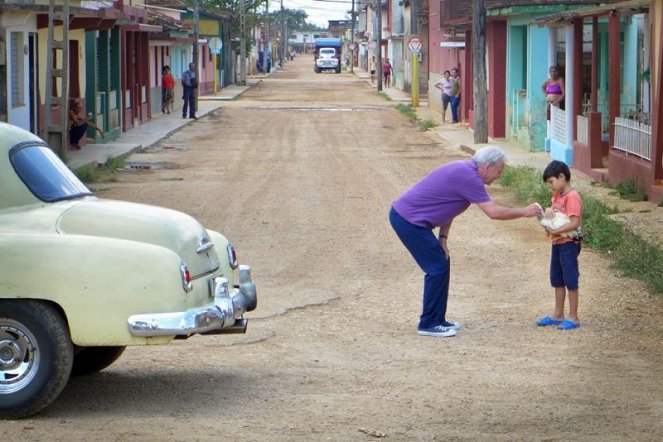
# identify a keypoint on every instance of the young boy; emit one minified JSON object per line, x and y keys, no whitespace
{"x":564,"y":273}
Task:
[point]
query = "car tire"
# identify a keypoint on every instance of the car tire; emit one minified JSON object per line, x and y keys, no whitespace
{"x":90,"y":360}
{"x":36,"y":356}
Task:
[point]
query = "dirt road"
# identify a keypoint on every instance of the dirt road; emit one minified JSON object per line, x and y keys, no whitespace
{"x":300,"y":173}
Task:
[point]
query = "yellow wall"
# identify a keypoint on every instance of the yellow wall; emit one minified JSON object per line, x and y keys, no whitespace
{"x":79,"y":35}
{"x":209,"y":27}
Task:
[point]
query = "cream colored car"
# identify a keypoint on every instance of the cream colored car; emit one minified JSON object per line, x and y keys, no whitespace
{"x":82,"y":277}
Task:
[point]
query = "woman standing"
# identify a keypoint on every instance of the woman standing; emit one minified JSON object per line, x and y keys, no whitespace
{"x":386,"y":72}
{"x":168,"y":90}
{"x":553,"y":89}
{"x":445,"y":85}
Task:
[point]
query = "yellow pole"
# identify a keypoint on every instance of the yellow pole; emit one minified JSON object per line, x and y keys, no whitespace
{"x":216,"y":75}
{"x":415,"y":81}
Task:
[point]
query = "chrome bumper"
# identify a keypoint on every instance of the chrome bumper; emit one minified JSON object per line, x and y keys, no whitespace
{"x":226,"y":313}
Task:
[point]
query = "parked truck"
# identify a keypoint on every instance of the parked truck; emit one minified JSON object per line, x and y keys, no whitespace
{"x":327,"y":54}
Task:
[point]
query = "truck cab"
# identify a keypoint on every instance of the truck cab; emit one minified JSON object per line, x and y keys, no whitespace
{"x":327,"y":54}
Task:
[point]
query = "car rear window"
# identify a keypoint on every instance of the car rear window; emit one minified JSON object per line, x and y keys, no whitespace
{"x":45,"y":174}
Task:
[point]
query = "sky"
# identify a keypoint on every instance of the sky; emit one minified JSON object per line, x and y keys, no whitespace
{"x":319,"y":11}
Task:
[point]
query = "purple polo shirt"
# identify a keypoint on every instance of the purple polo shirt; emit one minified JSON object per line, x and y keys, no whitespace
{"x":442,"y":195}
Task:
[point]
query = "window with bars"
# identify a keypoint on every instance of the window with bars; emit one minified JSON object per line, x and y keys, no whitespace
{"x":17,"y":58}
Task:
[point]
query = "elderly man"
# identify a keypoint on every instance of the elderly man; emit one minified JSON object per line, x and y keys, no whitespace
{"x":189,"y":86}
{"x":434,"y":202}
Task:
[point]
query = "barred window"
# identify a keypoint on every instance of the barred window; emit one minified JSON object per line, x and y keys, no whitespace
{"x":17,"y":69}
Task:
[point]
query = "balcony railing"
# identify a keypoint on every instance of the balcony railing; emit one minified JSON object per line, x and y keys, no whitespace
{"x":557,"y":124}
{"x":583,"y":129}
{"x":633,"y":138}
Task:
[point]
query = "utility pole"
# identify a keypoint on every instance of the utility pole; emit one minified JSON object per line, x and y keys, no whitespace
{"x":378,"y":47}
{"x":266,"y":42}
{"x":242,"y":43}
{"x":196,"y":28}
{"x":196,"y":32}
{"x":284,"y":39}
{"x":479,"y":70}
{"x":352,"y":39}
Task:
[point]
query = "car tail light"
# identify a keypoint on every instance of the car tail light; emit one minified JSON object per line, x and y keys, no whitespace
{"x":186,"y":278}
{"x":232,"y":256}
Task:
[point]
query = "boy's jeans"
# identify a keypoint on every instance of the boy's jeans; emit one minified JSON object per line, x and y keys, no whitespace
{"x":426,"y":250}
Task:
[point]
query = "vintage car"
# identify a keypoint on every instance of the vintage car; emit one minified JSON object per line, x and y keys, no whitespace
{"x":82,"y":277}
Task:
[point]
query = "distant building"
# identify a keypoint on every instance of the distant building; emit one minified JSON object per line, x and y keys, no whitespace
{"x":302,"y":41}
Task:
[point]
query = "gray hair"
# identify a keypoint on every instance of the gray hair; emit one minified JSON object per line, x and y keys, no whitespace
{"x":490,"y":155}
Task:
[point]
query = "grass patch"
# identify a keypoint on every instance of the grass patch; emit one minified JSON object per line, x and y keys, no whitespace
{"x":384,"y":95}
{"x":409,"y":112}
{"x":104,"y":173}
{"x":632,"y":190}
{"x":631,"y":255}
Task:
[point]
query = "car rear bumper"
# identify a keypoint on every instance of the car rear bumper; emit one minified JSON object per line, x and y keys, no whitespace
{"x":224,"y":315}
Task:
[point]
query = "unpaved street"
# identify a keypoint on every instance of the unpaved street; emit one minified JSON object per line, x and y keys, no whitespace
{"x":300,"y":173}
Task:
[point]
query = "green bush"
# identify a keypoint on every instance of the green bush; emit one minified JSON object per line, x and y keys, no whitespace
{"x":409,"y":112}
{"x":632,"y":190}
{"x":426,"y":124}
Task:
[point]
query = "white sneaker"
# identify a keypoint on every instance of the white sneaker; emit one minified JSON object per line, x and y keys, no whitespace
{"x":454,"y":325}
{"x":437,"y":331}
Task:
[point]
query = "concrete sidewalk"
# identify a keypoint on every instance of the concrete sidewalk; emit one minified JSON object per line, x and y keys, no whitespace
{"x":151,"y":132}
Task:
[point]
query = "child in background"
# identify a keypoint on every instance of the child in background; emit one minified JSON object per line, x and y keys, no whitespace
{"x":564,"y":272}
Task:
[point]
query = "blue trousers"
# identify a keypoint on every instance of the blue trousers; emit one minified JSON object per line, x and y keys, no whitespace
{"x":189,"y":97}
{"x":455,"y":103}
{"x":425,"y":248}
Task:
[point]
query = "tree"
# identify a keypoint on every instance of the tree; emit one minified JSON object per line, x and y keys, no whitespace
{"x":479,"y":71}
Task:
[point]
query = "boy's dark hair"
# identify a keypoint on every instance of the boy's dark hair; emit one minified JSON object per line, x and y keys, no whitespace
{"x":555,"y":168}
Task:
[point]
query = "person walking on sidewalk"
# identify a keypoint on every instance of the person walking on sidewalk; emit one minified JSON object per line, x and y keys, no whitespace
{"x":189,"y":85}
{"x":434,"y":202}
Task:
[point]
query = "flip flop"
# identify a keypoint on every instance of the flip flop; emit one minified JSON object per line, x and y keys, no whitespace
{"x":547,"y":320}
{"x":568,"y":325}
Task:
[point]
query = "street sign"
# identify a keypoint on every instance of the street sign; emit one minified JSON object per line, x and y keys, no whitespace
{"x":215,"y":45}
{"x":415,"y":43}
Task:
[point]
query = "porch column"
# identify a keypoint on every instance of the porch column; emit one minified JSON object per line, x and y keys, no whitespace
{"x":657,"y":113}
{"x":552,"y":47}
{"x":614,"y":79}
{"x":595,"y":64}
{"x":569,"y":94}
{"x":576,"y":99}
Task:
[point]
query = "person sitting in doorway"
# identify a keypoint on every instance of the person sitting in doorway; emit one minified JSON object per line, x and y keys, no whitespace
{"x":78,"y":124}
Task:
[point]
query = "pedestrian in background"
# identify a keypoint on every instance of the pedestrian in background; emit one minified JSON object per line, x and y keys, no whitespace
{"x":455,"y":95}
{"x":168,"y":90}
{"x":554,"y":90}
{"x":79,"y":123}
{"x":189,"y":86}
{"x":433,"y":203}
{"x":372,"y":68}
{"x":386,"y":72}
{"x":445,"y":85}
